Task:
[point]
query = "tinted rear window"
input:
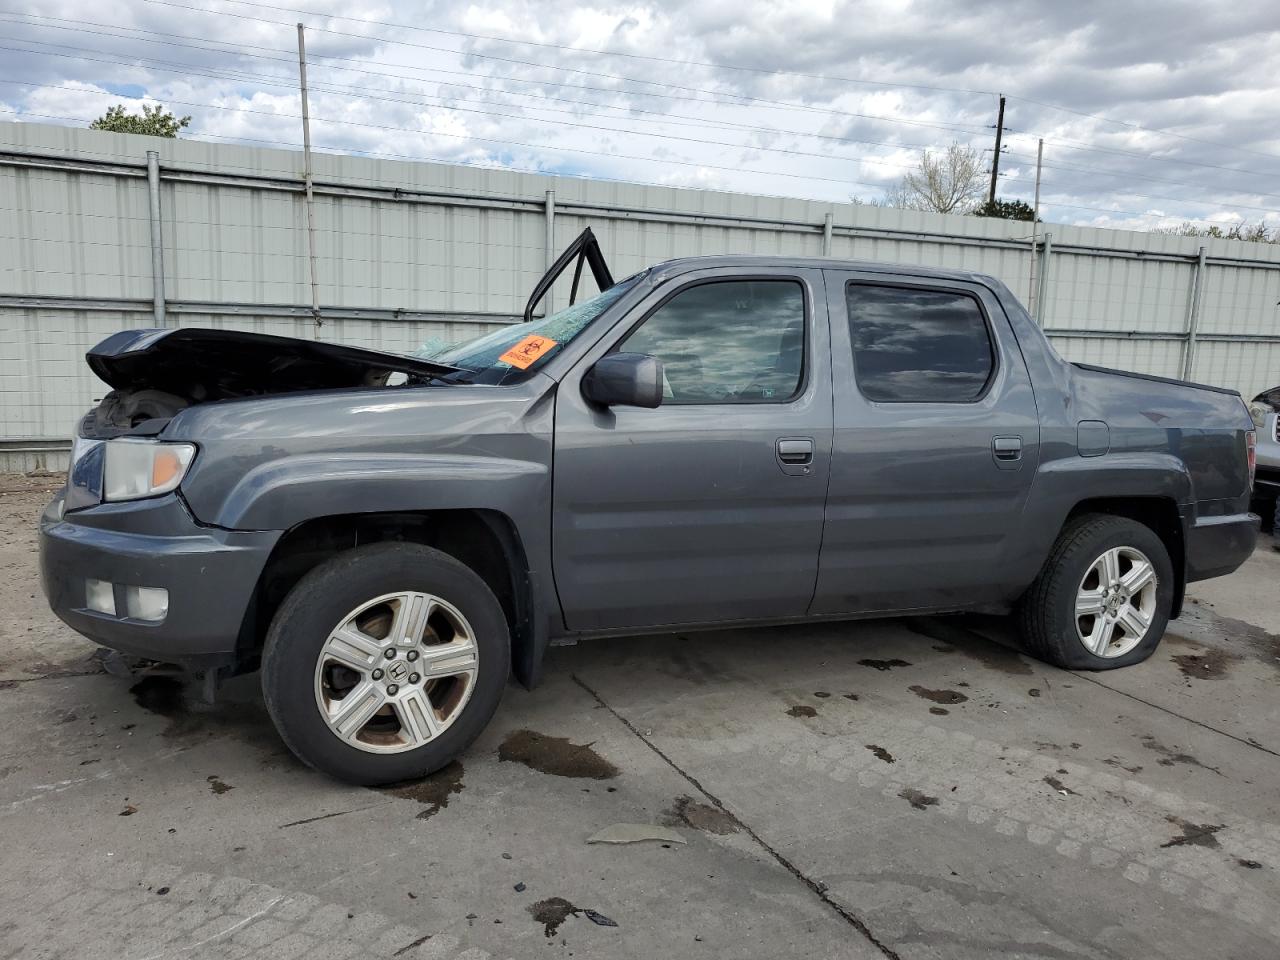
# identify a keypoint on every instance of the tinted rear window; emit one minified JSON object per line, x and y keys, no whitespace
{"x":918,"y":345}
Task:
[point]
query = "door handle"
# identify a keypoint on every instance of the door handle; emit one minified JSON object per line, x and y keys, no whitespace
{"x":1007,"y":448}
{"x":795,"y":450}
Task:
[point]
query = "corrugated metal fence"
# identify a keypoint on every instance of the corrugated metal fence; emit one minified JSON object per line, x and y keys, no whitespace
{"x":411,"y":252}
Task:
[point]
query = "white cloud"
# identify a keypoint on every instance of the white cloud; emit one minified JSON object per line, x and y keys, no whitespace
{"x":852,"y":127}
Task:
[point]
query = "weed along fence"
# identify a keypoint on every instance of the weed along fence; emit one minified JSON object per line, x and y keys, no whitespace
{"x":101,"y":231}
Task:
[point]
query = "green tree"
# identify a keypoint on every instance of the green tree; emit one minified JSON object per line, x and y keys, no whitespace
{"x":1006,"y":210}
{"x":153,"y":122}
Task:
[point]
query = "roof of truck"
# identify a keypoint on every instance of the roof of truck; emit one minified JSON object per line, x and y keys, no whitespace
{"x":822,"y":263}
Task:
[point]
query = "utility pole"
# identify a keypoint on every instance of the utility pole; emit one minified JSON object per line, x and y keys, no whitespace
{"x":306,"y":174}
{"x":1035,"y":225}
{"x":995,"y":157}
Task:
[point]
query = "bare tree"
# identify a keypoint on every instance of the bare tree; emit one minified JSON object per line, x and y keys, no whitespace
{"x":947,"y":182}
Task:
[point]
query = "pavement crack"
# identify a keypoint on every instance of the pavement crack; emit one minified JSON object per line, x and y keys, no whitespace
{"x":818,"y":888}
{"x":326,"y":816}
{"x":409,"y":946}
{"x":1181,"y":716}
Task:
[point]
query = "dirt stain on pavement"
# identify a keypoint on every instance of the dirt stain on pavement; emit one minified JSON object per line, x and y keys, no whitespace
{"x":246,"y":720}
{"x":555,"y":756}
{"x":1194,"y":834}
{"x":551,"y":912}
{"x":1171,"y":756}
{"x":1117,"y":762}
{"x":1209,"y":665}
{"x":1249,"y":864}
{"x":160,"y":695}
{"x":1266,"y":644}
{"x":918,"y":800}
{"x":939,"y":711}
{"x":802,"y":710}
{"x":938,"y":696}
{"x":688,"y":812}
{"x":433,"y":792}
{"x":971,"y":644}
{"x":883,"y":664}
{"x":217,"y":787}
{"x":881,"y":753}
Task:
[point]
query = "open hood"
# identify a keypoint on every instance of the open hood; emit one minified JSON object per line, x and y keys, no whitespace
{"x":200,"y":365}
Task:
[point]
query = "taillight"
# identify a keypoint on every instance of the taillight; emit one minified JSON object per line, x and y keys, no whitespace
{"x":1251,"y":447}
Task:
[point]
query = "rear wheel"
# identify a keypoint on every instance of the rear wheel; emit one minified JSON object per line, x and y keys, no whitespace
{"x":384,"y":663}
{"x":1103,"y":598}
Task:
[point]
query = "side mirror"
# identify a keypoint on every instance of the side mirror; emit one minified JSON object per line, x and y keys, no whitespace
{"x":624,"y":380}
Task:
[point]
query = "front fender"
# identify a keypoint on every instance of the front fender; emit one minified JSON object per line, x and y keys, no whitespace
{"x":280,"y":494}
{"x":283,"y":493}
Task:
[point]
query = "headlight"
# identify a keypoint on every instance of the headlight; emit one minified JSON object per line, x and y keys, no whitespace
{"x":143,"y":468}
{"x":1259,"y":410}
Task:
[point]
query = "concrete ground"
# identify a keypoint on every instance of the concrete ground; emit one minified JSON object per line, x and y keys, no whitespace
{"x":907,"y":788}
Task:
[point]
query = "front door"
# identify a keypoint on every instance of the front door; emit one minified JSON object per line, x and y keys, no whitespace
{"x":709,"y":507}
{"x":936,"y":445}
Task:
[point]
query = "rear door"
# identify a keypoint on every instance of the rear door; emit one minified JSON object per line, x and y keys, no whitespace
{"x":936,"y":444}
{"x":709,"y":507}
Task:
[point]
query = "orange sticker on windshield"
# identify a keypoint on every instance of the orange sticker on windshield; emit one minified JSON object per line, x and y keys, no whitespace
{"x":525,"y":353}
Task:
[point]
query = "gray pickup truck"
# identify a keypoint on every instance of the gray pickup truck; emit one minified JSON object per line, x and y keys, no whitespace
{"x":712,"y":441}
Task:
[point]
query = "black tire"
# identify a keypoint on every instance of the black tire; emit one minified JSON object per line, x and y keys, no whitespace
{"x":314,"y":608}
{"x":1264,"y":505}
{"x":1046,"y":612}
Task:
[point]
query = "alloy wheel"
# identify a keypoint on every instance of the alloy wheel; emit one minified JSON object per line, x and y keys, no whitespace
{"x":1116,"y":602}
{"x":396,"y":672}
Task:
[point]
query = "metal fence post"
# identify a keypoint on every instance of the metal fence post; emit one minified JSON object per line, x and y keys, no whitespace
{"x":550,"y":245}
{"x":157,"y":242}
{"x":1041,"y":282}
{"x":1193,"y":315}
{"x":827,"y":223}
{"x":308,"y":183}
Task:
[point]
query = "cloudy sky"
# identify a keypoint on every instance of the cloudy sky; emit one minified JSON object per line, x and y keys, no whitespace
{"x":1152,"y":112}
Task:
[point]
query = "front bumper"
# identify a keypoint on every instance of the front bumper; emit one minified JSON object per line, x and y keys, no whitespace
{"x":1218,"y":545}
{"x":210,"y":575}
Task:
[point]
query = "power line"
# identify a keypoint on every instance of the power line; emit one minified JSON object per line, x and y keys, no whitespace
{"x":1133,"y":176}
{"x":1068,"y":144}
{"x":1123,"y":123}
{"x":945,"y":126}
{"x":503,"y":166}
{"x":569,"y":49}
{"x":559,"y":123}
{"x":502,"y":143}
{"x":666,"y":60}
{"x":664,"y":117}
{"x":1149,"y":196}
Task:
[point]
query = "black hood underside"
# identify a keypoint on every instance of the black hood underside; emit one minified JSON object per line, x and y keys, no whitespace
{"x":201,"y":365}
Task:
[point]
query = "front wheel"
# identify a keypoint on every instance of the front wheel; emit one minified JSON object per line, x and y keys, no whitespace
{"x":1103,"y":598}
{"x":385,"y":663}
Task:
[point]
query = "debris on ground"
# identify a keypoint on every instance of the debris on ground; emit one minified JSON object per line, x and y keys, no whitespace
{"x":636,"y":833}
